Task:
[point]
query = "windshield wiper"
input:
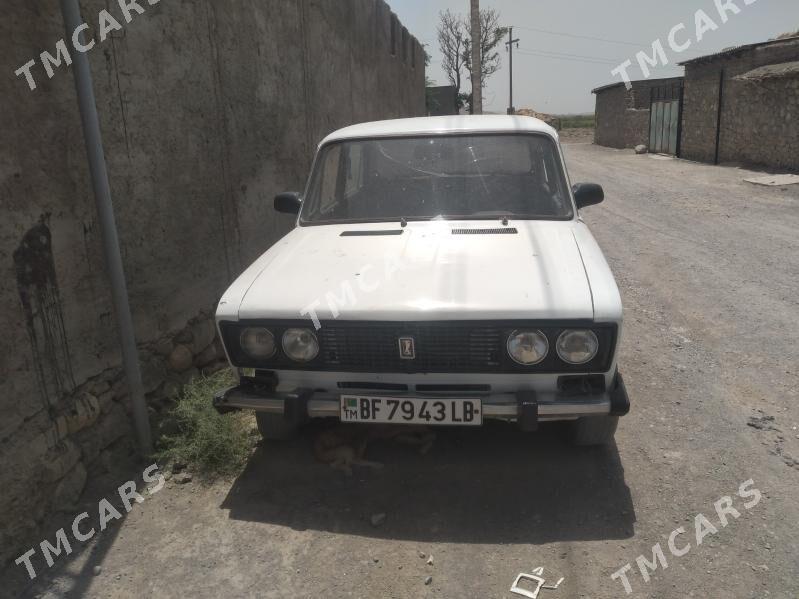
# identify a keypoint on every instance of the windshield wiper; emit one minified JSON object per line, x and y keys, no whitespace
{"x":492,"y":214}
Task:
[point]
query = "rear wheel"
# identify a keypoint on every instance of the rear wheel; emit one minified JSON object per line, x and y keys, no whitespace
{"x":275,"y":427}
{"x":593,"y":430}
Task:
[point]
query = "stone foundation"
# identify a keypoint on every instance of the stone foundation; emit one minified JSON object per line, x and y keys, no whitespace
{"x":47,"y":471}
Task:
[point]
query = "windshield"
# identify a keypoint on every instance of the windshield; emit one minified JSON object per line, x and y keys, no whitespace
{"x":451,"y":177}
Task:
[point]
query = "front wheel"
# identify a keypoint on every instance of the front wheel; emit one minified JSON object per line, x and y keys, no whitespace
{"x":275,"y":427}
{"x":593,"y":430}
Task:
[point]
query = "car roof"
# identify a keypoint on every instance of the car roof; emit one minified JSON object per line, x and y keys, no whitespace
{"x":442,"y":125}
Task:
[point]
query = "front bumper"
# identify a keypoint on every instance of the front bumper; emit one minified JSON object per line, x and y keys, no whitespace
{"x":528,"y":407}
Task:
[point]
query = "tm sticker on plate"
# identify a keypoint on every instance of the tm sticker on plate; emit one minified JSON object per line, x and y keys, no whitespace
{"x":412,"y":410}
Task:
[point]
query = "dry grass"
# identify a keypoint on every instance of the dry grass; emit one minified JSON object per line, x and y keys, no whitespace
{"x":208,"y":443}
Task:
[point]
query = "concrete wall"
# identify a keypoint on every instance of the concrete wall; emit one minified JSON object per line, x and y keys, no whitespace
{"x":759,"y":121}
{"x":622,"y":116}
{"x":207,"y":110}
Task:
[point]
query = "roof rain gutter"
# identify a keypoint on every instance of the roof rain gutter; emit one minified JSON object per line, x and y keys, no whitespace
{"x":720,"y":107}
{"x":105,"y":213}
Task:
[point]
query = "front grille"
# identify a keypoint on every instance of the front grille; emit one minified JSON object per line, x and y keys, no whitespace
{"x":374,"y":347}
{"x":372,"y":386}
{"x":453,"y":388}
{"x":439,"y":347}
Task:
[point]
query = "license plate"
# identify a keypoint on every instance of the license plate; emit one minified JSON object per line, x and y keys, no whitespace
{"x":412,"y":410}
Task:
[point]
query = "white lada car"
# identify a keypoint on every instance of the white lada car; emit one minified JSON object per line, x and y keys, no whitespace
{"x":440,"y":274}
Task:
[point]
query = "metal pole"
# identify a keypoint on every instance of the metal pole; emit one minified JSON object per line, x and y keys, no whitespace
{"x":105,"y":214}
{"x":477,"y":67}
{"x":679,"y":122}
{"x":509,"y":45}
{"x":510,"y":65}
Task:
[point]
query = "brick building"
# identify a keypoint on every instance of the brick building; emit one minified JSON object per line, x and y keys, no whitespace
{"x":742,"y":105}
{"x":622,"y":117}
{"x":738,"y":105}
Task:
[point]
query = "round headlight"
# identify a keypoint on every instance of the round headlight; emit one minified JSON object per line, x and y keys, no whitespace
{"x":300,"y":345}
{"x":577,"y":346}
{"x":257,"y":342}
{"x":527,"y":347}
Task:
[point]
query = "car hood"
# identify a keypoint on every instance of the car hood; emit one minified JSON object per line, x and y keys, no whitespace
{"x":422,"y":272}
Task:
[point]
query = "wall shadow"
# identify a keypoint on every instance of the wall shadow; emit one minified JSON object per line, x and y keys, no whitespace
{"x":64,"y":579}
{"x":489,"y":485}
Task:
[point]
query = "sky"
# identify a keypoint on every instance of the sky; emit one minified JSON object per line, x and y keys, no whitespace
{"x":557,"y":66}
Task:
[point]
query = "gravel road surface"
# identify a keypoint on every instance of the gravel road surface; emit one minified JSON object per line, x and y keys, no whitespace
{"x":708,"y":267}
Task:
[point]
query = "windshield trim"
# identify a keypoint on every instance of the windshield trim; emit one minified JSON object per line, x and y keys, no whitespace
{"x":437,"y":218}
{"x":502,"y":133}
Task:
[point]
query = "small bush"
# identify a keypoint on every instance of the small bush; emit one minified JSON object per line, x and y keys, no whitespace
{"x":576,"y":121}
{"x":207,"y":442}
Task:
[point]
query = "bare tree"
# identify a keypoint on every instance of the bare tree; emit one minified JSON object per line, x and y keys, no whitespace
{"x":454,"y":43}
{"x":451,"y":43}
{"x":491,"y":34}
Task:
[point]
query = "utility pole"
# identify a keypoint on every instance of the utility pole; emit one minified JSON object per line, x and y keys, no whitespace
{"x":477,"y":63}
{"x":509,"y":48}
{"x":87,"y":106}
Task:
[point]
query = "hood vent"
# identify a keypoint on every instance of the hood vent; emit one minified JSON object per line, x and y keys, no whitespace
{"x":371,"y":233}
{"x":502,"y":231}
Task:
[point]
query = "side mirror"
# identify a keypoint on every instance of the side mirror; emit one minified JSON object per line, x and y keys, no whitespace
{"x":288,"y":202}
{"x":587,"y":194}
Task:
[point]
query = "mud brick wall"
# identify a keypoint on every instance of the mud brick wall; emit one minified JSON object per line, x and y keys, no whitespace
{"x":760,"y":123}
{"x":207,"y":110}
{"x":759,"y":119}
{"x":622,"y":115}
{"x":611,"y":117}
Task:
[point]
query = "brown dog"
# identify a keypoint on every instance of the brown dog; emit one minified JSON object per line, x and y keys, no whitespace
{"x":344,"y":446}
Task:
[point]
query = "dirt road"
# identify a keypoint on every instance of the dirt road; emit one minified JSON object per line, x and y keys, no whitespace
{"x":709,"y":272}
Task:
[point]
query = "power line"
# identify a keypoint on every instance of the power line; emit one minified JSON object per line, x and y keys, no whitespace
{"x":583,"y":59}
{"x":558,"y":53}
{"x":583,"y":37}
{"x":572,"y":57}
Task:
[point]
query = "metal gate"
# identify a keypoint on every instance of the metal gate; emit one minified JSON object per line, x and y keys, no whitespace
{"x":665,"y":112}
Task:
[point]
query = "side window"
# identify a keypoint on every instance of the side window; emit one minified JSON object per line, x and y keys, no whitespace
{"x":328,"y":196}
{"x":354,"y":172}
{"x":553,"y":179}
{"x":542,"y":164}
{"x":549,"y":170}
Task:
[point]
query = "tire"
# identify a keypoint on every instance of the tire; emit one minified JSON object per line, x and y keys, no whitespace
{"x":275,"y":427}
{"x":593,"y":430}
